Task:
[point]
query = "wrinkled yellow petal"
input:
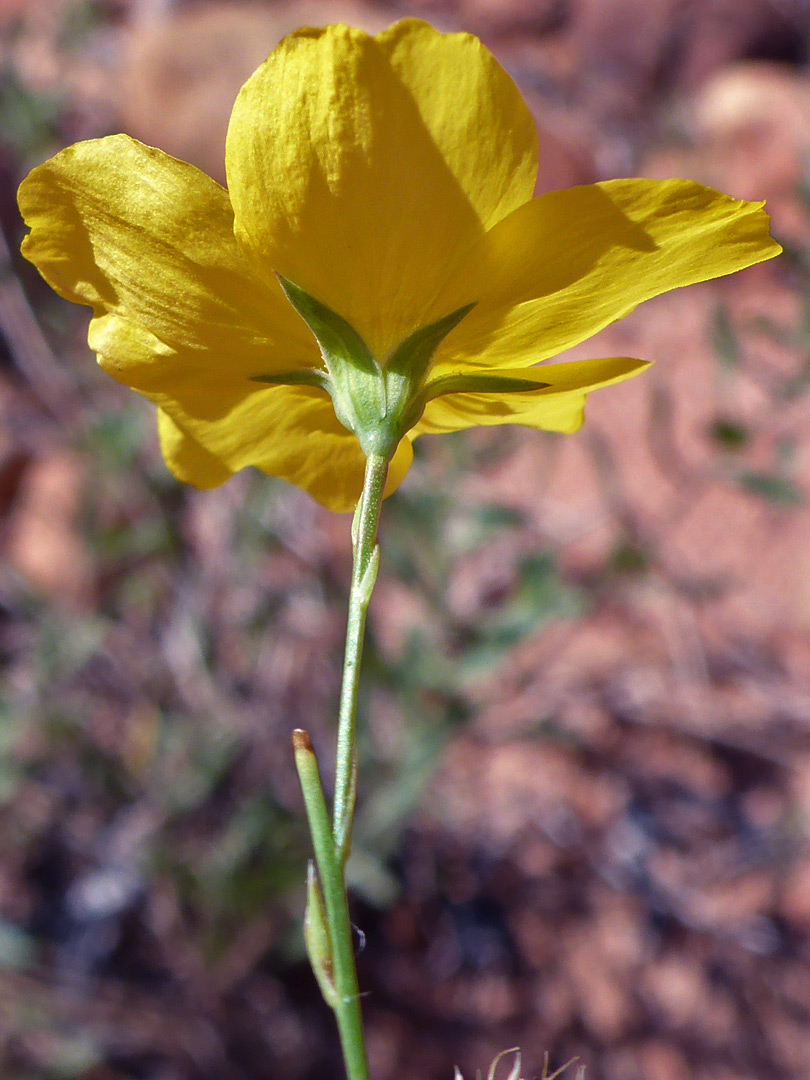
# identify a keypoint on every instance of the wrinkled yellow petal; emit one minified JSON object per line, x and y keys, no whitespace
{"x":289,"y":432}
{"x":558,"y":407}
{"x":474,"y":112}
{"x":338,"y":184}
{"x":567,"y":264}
{"x":130,"y":231}
{"x":293,"y":433}
{"x":187,"y":459}
{"x":384,"y":177}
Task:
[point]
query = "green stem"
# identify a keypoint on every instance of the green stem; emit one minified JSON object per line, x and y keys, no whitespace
{"x":364,"y":573}
{"x":345,"y":996}
{"x":331,"y":946}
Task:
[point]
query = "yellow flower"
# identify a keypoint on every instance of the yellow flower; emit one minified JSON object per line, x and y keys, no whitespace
{"x":380,"y":187}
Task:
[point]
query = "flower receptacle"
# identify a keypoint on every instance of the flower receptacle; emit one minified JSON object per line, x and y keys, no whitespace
{"x":378,"y":400}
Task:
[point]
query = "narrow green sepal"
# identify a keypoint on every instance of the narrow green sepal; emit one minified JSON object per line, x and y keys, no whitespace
{"x":467,"y":384}
{"x":406,"y":366}
{"x":317,"y":940}
{"x":356,"y":383}
{"x":378,"y":400}
{"x":480,"y":384}
{"x":413,"y":355}
{"x":336,"y":337}
{"x":299,"y":377}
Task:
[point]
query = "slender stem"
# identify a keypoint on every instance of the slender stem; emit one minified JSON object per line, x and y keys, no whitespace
{"x":345,"y":999}
{"x":332,"y":947}
{"x":364,"y":572}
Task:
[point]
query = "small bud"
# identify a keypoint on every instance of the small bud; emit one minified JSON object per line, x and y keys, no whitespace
{"x":317,"y":939}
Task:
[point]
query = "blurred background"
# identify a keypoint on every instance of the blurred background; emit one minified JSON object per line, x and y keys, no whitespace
{"x":585,"y":793}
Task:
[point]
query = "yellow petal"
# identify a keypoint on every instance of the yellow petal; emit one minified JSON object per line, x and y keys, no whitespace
{"x":289,"y":432}
{"x":558,"y":407}
{"x":186,"y":458}
{"x":293,"y":433}
{"x":338,"y":184}
{"x":130,"y":231}
{"x":562,"y":267}
{"x":473,"y":111}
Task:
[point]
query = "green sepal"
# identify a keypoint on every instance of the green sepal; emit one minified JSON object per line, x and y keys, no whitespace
{"x":480,"y":384}
{"x":413,"y":355}
{"x":407,"y":365}
{"x":298,"y":377}
{"x":378,"y":400}
{"x":336,"y":337}
{"x":357,"y":386}
{"x":316,"y":938}
{"x":467,"y":384}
